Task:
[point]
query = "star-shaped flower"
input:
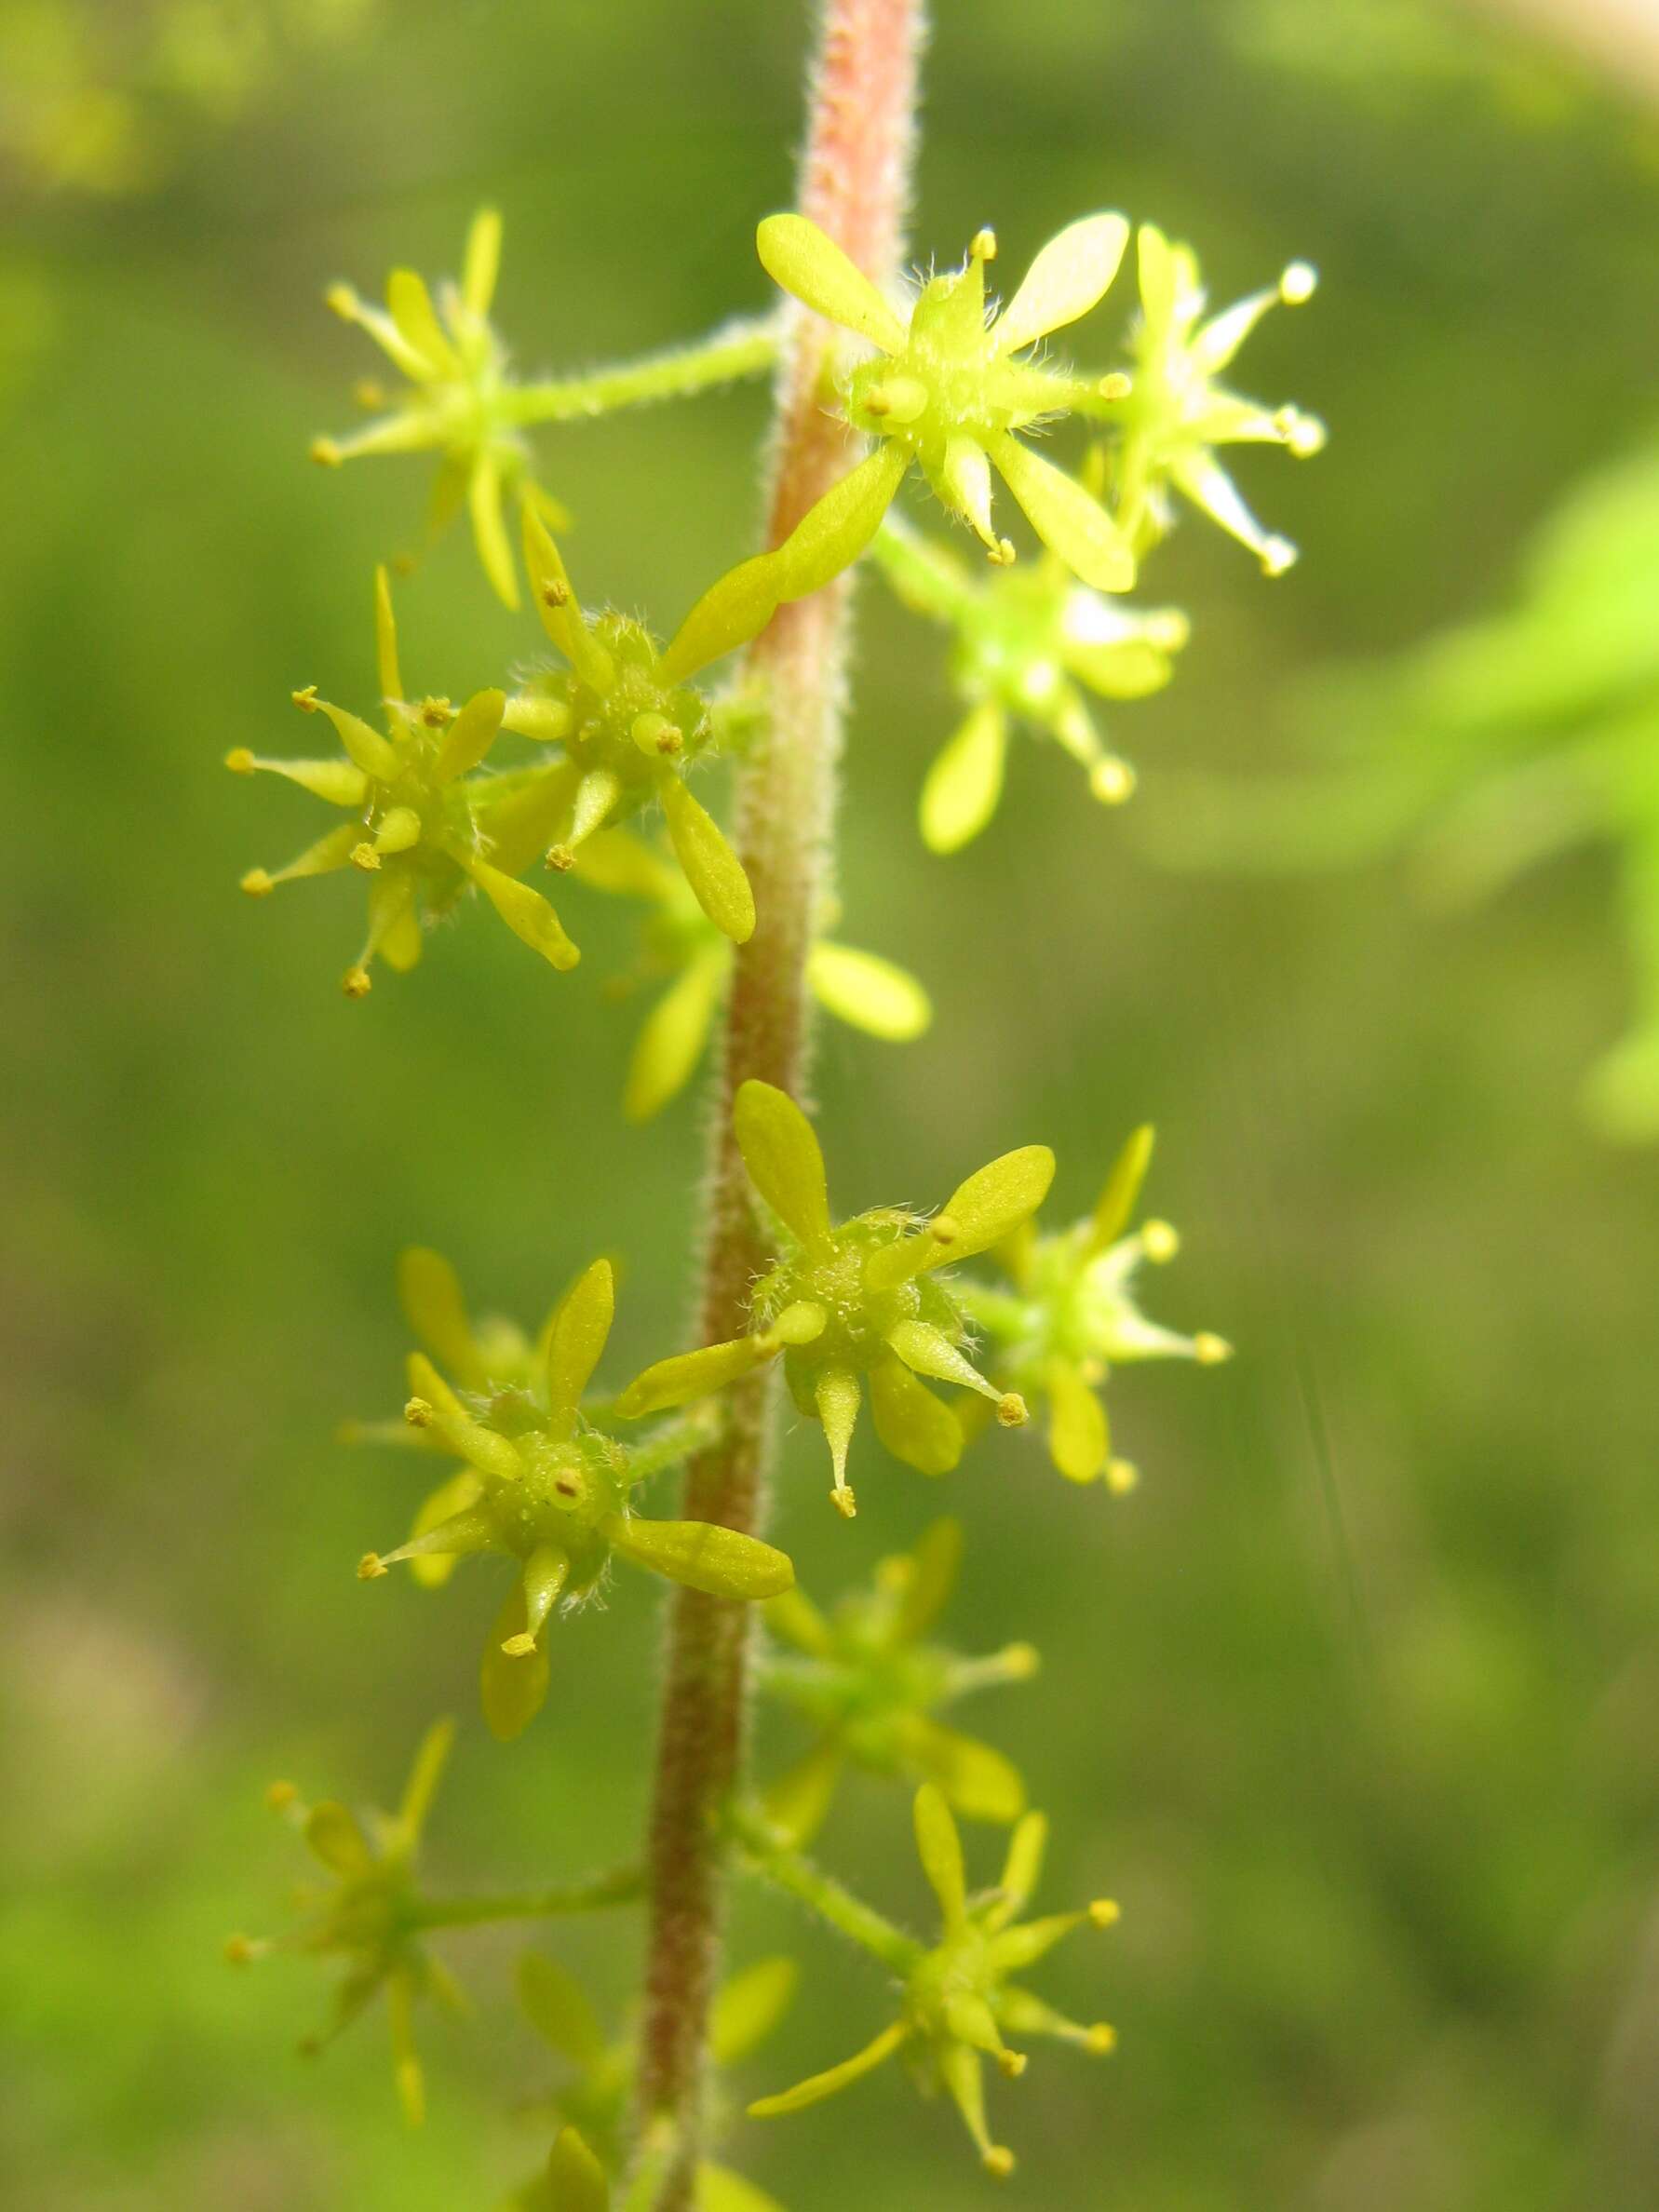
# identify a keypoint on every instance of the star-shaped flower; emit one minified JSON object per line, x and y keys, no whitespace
{"x":858,"y":1298}
{"x":869,"y":1682}
{"x":953,"y":384}
{"x":631,"y":725}
{"x":682,"y":948}
{"x":369,"y":1913}
{"x":419,"y":824}
{"x":957,"y":1999}
{"x":1028,"y":643}
{"x":459,"y":400}
{"x":1178,"y":411}
{"x":551,"y":1490}
{"x":1072,"y":1318}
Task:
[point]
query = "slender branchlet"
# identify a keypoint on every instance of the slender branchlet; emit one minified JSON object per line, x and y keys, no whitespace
{"x":855,"y":185}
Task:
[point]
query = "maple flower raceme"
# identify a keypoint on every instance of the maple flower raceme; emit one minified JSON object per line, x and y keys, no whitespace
{"x":957,"y":1999}
{"x":1028,"y":643}
{"x":869,"y":1682}
{"x":1072,"y":1318}
{"x":857,"y":1301}
{"x":418,"y":824}
{"x":1178,"y":411}
{"x":550,"y":1490}
{"x":369,"y":1913}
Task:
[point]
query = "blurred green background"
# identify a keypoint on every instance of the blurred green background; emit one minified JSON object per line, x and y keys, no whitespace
{"x":1354,"y":1703}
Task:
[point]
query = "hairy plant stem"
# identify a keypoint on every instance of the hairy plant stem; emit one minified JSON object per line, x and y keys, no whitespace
{"x":737,"y":349}
{"x":855,"y":183}
{"x":623,"y":1885}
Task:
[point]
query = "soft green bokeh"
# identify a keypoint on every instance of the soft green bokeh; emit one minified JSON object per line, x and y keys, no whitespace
{"x":1354,"y":1703}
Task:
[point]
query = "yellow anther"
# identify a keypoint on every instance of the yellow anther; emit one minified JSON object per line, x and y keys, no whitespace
{"x":1209,"y":1350}
{"x":1304,"y":434}
{"x":520,"y":1647}
{"x":240,"y":761}
{"x":1111,"y":781}
{"x":944,"y":1230}
{"x":418,"y":1412}
{"x":1001,"y":554}
{"x":879,"y":405}
{"x":257,"y":883}
{"x":1278,"y":555}
{"x":1011,"y":2064}
{"x":1122,"y":1476}
{"x":984,"y":245}
{"x":367,"y":392}
{"x":280,"y":1796}
{"x":326,"y":453}
{"x":561,"y":858}
{"x":845,"y":1501}
{"x":554,"y":593}
{"x":1011,"y":1409}
{"x":1168,"y":629}
{"x":1296,"y":286}
{"x":436,"y":713}
{"x":1115,"y":386}
{"x":998,"y":2161}
{"x":371,"y":1567}
{"x":1021,"y":1661}
{"x":241,"y":1951}
{"x":670,"y":741}
{"x":1159,"y":1241}
{"x":1105,"y":1912}
{"x":356,"y":982}
{"x":343,"y":300}
{"x":1101,"y":2039}
{"x":305,"y":699}
{"x":365,"y":856}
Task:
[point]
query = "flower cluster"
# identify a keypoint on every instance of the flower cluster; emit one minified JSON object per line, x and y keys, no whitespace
{"x":957,"y":2001}
{"x":370,"y":1912}
{"x":1070,"y":1316}
{"x":1027,"y":644}
{"x":857,"y":1300}
{"x":869,"y":1681}
{"x":544,"y":1486}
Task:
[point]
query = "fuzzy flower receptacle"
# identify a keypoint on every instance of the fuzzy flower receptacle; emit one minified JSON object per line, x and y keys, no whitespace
{"x":630,"y":726}
{"x":1029,"y":644}
{"x":856,"y":1302}
{"x":1178,"y":411}
{"x":1072,"y":1317}
{"x":869,"y":1679}
{"x":952,"y":386}
{"x":551,"y":1491}
{"x":369,"y":1914}
{"x":419,"y":824}
{"x":958,"y":2001}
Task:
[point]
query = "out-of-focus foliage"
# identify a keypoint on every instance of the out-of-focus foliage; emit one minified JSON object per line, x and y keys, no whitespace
{"x":1364,"y":1735}
{"x":1496,"y":746}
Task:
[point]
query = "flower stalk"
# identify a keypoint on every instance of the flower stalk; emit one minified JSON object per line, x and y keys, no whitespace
{"x":855,"y":183}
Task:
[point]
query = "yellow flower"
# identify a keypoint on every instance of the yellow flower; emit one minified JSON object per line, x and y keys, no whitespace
{"x":681,"y":946}
{"x":369,"y":1915}
{"x":551,"y":1490}
{"x":630,"y":726}
{"x":1028,"y":643}
{"x":459,"y":398}
{"x":1178,"y":411}
{"x":1072,"y":1318}
{"x":957,"y":2001}
{"x":858,"y":1298}
{"x":419,"y":824}
{"x":870,"y":1683}
{"x":949,"y":387}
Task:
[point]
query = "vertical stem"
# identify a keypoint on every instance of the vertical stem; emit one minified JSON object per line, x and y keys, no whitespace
{"x":855,"y":183}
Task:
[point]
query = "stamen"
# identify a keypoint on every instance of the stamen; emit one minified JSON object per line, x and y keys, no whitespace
{"x":257,"y":882}
{"x":1115,"y":386}
{"x":305,"y":700}
{"x":1111,"y":781}
{"x":1105,"y":1912}
{"x":560,"y":858}
{"x":1010,"y":2064}
{"x":240,"y":761}
{"x":1298,"y":283}
{"x":1209,"y":1350}
{"x":1122,"y":1476}
{"x":1159,"y":1241}
{"x":365,"y":856}
{"x":1278,"y":555}
{"x":1101,"y":2039}
{"x":325,"y":454}
{"x":984,"y":245}
{"x":356,"y":982}
{"x":1001,"y":554}
{"x":1011,"y":1409}
{"x":845,"y":1503}
{"x":998,"y":2161}
{"x":371,"y":1567}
